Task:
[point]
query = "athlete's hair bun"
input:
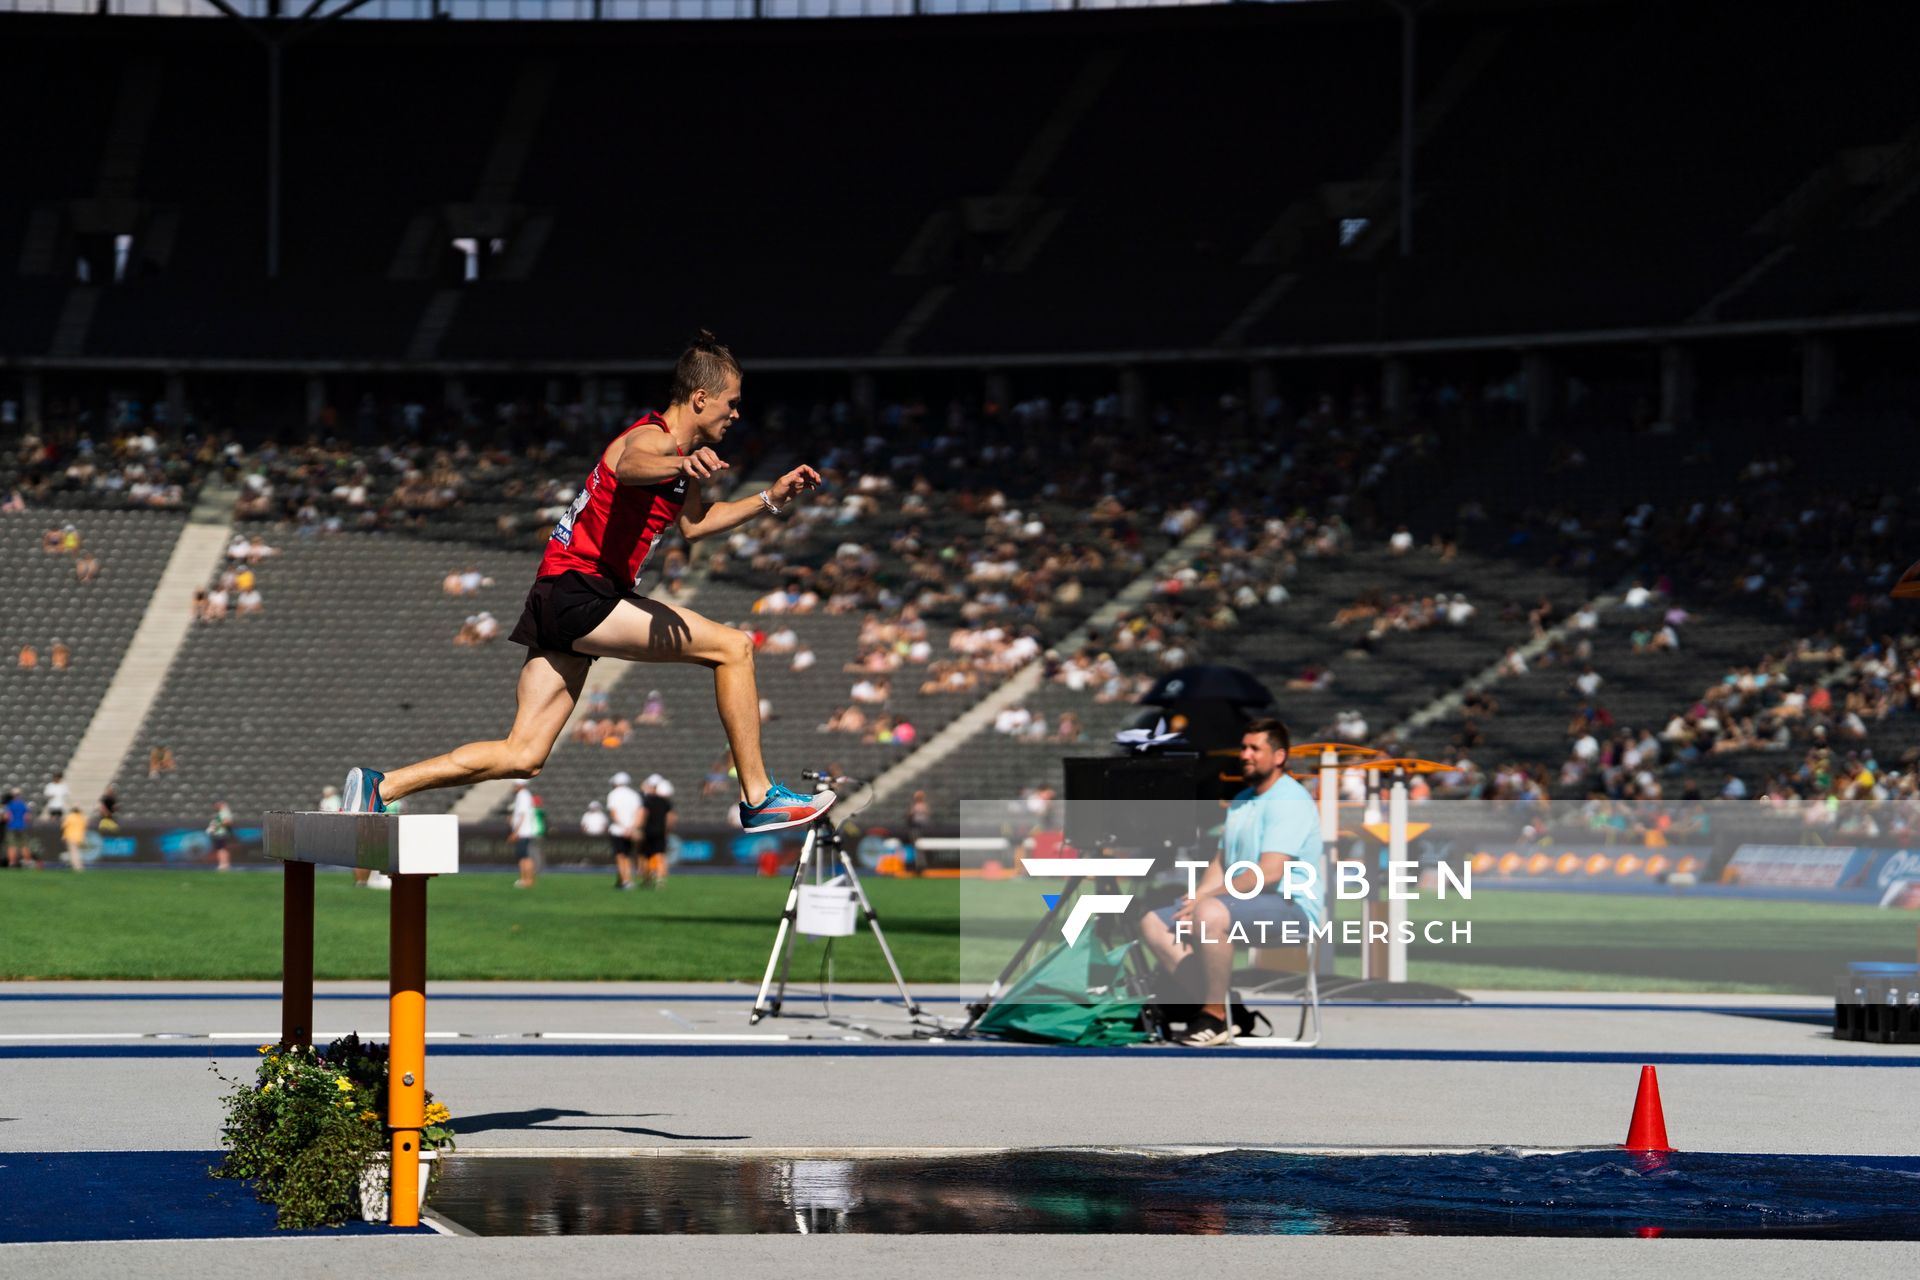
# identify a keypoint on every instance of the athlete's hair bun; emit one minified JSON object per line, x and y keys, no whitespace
{"x":704,"y":365}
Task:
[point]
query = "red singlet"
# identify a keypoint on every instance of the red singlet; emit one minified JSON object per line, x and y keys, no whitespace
{"x":610,"y":528}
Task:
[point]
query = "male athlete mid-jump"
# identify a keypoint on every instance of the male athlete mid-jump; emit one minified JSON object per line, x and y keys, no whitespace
{"x":583,"y":606}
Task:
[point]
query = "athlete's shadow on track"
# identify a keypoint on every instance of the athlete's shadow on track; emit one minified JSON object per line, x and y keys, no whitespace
{"x":539,"y":1120}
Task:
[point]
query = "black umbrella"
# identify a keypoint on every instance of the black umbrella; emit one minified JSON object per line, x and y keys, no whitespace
{"x":1208,"y":684}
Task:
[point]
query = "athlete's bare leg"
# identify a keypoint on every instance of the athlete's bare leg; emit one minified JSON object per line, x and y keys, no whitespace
{"x":549,"y":686}
{"x":649,"y":631}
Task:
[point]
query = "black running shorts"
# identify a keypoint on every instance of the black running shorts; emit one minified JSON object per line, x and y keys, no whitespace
{"x":564,"y":607}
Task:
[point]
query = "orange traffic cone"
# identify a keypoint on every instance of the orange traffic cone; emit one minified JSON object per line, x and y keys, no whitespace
{"x":1648,"y":1131}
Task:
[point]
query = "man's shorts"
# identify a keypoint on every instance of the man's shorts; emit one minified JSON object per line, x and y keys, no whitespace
{"x":564,"y":607}
{"x":620,"y":846}
{"x":1266,"y":909}
{"x":651,"y":845}
{"x":527,"y":848}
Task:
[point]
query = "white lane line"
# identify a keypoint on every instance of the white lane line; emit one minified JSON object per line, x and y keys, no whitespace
{"x":658,"y":1035}
{"x":264,"y":1037}
{"x":273,"y":1037}
{"x":76,"y":1035}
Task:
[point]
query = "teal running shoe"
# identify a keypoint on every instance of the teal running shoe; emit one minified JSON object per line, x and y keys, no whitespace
{"x":783,"y":808}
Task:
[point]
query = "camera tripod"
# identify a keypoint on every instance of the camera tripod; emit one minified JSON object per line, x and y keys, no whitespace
{"x":823,"y":846}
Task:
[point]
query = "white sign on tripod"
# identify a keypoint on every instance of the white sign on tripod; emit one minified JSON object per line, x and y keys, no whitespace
{"x":827,"y":910}
{"x":824,"y":908}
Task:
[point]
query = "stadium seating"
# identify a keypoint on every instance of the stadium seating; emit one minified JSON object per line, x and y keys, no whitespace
{"x":44,"y":712}
{"x":350,"y":662}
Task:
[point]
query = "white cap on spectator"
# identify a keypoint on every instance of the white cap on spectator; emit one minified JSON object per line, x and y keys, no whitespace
{"x":653,"y":780}
{"x":621,"y":779}
{"x":663,"y":789}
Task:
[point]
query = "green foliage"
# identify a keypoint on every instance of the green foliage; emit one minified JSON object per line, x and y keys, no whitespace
{"x":321,"y":1184}
{"x":309,"y":1124}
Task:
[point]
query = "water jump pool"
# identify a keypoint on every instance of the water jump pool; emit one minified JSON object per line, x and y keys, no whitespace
{"x":1508,"y":1192}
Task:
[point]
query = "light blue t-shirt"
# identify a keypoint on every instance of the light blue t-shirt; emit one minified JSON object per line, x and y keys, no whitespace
{"x":1284,"y":820}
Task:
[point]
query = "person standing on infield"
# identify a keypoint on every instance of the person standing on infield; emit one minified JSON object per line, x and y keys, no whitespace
{"x":583,"y":606}
{"x":523,"y":827}
{"x":594,"y":824}
{"x":623,"y":826}
{"x":73,"y":833}
{"x":17,"y":814}
{"x":656,"y":824}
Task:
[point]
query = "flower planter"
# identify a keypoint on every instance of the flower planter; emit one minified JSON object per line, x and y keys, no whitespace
{"x":373,"y":1186}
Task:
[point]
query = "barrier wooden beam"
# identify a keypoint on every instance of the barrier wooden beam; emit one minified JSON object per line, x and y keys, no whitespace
{"x":410,"y":848}
{"x":296,"y":954}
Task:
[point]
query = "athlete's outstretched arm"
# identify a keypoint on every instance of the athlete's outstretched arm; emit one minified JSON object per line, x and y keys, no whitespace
{"x":650,"y":458}
{"x":700,"y":520}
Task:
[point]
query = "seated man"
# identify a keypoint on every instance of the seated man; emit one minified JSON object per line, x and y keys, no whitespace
{"x":1272,"y":822}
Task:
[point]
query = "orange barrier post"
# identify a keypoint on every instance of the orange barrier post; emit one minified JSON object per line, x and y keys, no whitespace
{"x":296,"y":954}
{"x":407,"y":1044}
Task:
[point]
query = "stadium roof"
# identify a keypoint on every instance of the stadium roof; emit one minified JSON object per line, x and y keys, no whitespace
{"x":583,"y":10}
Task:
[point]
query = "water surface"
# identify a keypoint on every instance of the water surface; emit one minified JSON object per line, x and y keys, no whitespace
{"x":1588,"y":1193}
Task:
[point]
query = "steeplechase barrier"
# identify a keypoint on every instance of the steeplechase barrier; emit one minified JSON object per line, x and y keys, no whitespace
{"x":410,"y":848}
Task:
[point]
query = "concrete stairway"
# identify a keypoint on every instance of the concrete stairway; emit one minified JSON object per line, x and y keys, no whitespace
{"x":163,"y":630}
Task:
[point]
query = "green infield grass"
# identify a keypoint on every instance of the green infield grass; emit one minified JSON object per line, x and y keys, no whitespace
{"x":200,"y":925}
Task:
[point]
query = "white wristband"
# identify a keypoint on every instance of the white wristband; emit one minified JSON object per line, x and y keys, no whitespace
{"x":766,"y":500}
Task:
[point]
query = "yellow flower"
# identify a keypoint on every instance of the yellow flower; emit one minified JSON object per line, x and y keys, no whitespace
{"x":265,"y":1047}
{"x":369,"y":1115}
{"x":345,"y":1085}
{"x":437,"y":1113}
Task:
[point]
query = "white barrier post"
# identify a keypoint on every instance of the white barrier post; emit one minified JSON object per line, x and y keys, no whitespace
{"x":1396,"y":852}
{"x":1373,"y":961}
{"x":1330,"y":800}
{"x":1329,"y":845}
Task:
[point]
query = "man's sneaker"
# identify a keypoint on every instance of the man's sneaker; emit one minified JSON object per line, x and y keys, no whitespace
{"x":783,"y":808}
{"x":1206,"y":1032}
{"x":361,"y":794}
